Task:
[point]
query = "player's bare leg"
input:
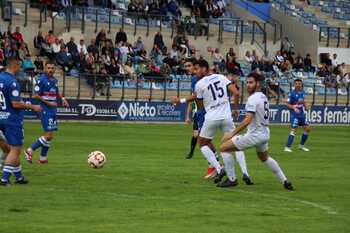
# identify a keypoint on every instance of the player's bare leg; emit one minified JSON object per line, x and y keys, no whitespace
{"x":304,"y":137}
{"x":290,"y":140}
{"x":12,"y":165}
{"x":208,"y":153}
{"x":5,"y":150}
{"x":226,"y":150}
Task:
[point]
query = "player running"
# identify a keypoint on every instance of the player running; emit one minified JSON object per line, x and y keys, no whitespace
{"x":258,"y":134}
{"x":212,"y":93}
{"x":47,"y":92}
{"x":297,"y":105}
{"x":11,"y":121}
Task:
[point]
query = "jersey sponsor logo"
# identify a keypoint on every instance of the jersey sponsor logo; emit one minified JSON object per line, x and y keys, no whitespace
{"x":36,"y":88}
{"x":15,"y":93}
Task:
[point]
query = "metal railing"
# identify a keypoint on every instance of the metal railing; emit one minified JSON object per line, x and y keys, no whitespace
{"x":220,"y":28}
{"x":335,"y":36}
{"x":163,"y":87}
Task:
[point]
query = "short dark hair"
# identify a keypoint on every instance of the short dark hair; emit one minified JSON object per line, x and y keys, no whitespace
{"x":191,"y":60}
{"x":203,"y":64}
{"x":258,"y":77}
{"x":297,"y":80}
{"x":50,"y":62}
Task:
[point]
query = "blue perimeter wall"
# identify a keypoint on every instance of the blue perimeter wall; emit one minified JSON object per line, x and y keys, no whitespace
{"x":142,"y":111}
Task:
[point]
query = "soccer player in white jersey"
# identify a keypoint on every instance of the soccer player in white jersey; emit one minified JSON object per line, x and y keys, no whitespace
{"x":258,"y":134}
{"x":212,"y":92}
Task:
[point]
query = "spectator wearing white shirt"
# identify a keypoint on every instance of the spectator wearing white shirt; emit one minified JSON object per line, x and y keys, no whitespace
{"x":248,"y":57}
{"x":56,"y":47}
{"x":82,"y":47}
{"x":335,"y":61}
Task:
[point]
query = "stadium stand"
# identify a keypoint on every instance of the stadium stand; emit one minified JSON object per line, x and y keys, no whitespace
{"x":97,"y":66}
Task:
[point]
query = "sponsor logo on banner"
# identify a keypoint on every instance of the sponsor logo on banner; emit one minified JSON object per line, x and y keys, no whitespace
{"x":167,"y":112}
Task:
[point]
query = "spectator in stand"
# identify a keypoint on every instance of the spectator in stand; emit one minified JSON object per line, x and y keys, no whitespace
{"x":17,"y":35}
{"x":308,"y":64}
{"x":22,"y":51}
{"x":174,"y":9}
{"x":90,"y":61}
{"x":72,"y":47}
{"x":328,"y":60}
{"x":50,"y":38}
{"x":323,"y":71}
{"x":92,"y":48}
{"x":2,"y":57}
{"x":27,"y":64}
{"x":39,"y":64}
{"x":82,"y":47}
{"x":218,"y":60}
{"x":299,"y":63}
{"x":335,"y":61}
{"x":248,"y":57}
{"x":101,"y":37}
{"x":65,"y":59}
{"x":279,"y":58}
{"x":121,"y":36}
{"x":139,"y":47}
{"x":158,"y":40}
{"x":174,"y":53}
{"x":230,"y":53}
{"x":56,"y":47}
{"x":233,"y":67}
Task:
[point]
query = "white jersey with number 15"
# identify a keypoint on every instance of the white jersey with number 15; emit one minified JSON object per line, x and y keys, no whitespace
{"x":258,"y":104}
{"x":213,"y":91}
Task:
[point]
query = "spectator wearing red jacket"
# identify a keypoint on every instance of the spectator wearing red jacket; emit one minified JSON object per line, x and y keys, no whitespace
{"x":17,"y":35}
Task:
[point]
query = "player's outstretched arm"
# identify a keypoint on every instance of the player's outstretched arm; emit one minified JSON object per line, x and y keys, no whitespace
{"x":189,"y":99}
{"x":246,"y":121}
{"x":27,"y":105}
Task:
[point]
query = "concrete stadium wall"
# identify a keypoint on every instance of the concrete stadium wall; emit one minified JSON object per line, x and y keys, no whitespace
{"x":305,"y":39}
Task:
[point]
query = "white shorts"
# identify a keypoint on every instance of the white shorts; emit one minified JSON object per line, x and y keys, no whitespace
{"x":259,"y":141}
{"x":210,"y":127}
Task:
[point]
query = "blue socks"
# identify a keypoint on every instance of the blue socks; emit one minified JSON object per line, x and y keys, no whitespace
{"x":45,"y":146}
{"x":290,"y":139}
{"x":6,"y":173}
{"x":304,"y":138}
{"x":8,"y":170}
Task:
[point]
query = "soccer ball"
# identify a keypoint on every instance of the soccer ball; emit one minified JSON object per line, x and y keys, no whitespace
{"x":96,"y":159}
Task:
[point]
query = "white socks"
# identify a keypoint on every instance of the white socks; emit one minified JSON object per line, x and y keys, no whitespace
{"x":273,"y":165}
{"x":229,"y":165}
{"x":210,"y":156}
{"x":240,"y":157}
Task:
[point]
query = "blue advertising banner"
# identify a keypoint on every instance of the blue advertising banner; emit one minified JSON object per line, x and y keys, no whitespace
{"x":167,"y":112}
{"x":119,"y":111}
{"x":317,"y":114}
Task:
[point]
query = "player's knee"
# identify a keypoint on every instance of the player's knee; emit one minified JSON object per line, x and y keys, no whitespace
{"x":307,"y":129}
{"x":48,"y":137}
{"x":262,"y":156}
{"x":195,"y":133}
{"x":292,"y":132}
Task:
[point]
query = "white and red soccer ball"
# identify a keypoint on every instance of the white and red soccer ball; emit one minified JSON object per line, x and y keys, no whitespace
{"x":96,"y":159}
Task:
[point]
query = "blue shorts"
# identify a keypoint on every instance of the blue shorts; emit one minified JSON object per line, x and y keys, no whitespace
{"x":49,"y":122}
{"x":298,"y":121}
{"x":14,"y":134}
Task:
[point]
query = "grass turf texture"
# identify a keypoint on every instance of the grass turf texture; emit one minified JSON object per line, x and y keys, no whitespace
{"x":148,"y":186}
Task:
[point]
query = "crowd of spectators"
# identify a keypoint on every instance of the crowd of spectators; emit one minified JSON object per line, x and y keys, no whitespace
{"x":120,"y":58}
{"x":14,"y":44}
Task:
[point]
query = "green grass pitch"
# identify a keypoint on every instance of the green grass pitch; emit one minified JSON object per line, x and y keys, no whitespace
{"x":148,"y":186}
